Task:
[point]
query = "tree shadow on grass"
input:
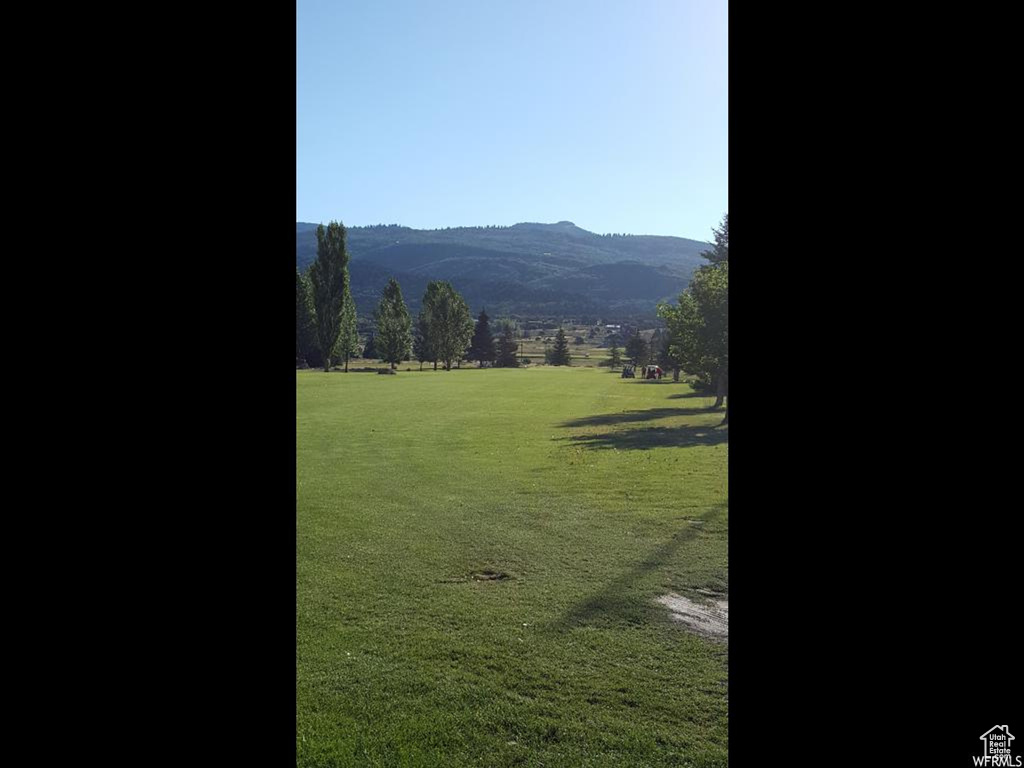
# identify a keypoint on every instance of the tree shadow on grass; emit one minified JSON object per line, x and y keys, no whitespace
{"x":617,"y":601}
{"x":645,"y":438}
{"x":606,"y":419}
{"x":686,"y":395}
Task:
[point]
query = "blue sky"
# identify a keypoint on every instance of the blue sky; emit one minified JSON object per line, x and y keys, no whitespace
{"x":435,"y":113}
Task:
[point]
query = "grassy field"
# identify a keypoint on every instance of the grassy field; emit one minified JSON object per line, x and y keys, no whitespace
{"x":592,"y":494}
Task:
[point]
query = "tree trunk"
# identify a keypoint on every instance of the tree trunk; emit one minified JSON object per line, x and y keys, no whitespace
{"x":435,"y":365}
{"x":327,"y":364}
{"x":726,"y":419}
{"x":392,"y":366}
{"x":720,"y":389}
{"x":675,"y":374}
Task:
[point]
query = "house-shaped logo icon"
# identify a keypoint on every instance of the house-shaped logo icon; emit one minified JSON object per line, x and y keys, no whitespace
{"x":997,"y":741}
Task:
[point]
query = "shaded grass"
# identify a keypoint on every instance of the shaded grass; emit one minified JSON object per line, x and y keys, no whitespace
{"x":408,"y":485}
{"x":612,"y":601}
{"x":645,"y":438}
{"x":649,"y":414}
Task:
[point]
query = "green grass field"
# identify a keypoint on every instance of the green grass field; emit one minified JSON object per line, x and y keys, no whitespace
{"x":581,"y":487}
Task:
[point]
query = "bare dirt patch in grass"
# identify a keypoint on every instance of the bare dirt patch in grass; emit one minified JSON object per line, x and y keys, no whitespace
{"x":709,"y":618}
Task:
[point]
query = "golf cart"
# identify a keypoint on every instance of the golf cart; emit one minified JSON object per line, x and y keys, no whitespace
{"x":653,"y":372}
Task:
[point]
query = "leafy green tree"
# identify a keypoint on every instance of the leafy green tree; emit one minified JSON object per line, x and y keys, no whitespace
{"x":448,"y":324}
{"x":699,"y":328}
{"x":637,"y":350}
{"x":420,"y":350}
{"x":505,"y":354}
{"x":394,"y":327}
{"x":683,"y":321}
{"x":710,"y":291}
{"x":559,"y":353}
{"x":328,"y":277}
{"x":305,"y":328}
{"x":348,"y":340}
{"x":425,"y":343}
{"x":712,"y":296}
{"x":661,"y":348}
{"x":481,"y":347}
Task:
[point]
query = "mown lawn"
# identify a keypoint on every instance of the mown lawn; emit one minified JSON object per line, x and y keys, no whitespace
{"x":581,"y":487}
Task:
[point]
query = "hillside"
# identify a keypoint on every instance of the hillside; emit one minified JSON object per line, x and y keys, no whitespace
{"x":529,"y":269}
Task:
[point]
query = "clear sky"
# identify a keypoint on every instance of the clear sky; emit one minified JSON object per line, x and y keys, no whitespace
{"x":435,"y":113}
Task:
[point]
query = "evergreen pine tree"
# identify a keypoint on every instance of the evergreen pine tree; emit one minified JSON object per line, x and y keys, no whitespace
{"x":615,"y":356}
{"x":481,"y":348}
{"x":559,"y":353}
{"x":370,"y":349}
{"x":720,"y":251}
{"x":505,"y":356}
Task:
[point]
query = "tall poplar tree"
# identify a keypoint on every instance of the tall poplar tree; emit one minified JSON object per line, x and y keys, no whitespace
{"x":328,"y":277}
{"x":305,"y":330}
{"x":425,"y":344}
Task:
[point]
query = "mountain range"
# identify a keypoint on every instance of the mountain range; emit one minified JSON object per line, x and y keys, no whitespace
{"x":533,"y":270}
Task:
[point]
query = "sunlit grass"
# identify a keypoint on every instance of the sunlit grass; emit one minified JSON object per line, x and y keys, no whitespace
{"x":580,"y":487}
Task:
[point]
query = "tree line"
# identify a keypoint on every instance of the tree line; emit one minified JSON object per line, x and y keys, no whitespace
{"x":697,"y":327}
{"x":695,"y":339}
{"x":443,"y":333}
